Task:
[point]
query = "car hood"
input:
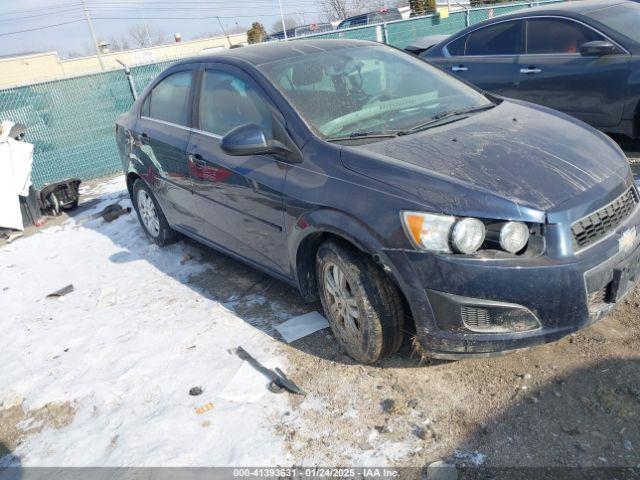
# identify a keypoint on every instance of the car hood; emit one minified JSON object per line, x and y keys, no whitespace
{"x":518,"y":153}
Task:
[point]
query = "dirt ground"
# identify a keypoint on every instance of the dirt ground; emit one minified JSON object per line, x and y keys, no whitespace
{"x":575,"y":402}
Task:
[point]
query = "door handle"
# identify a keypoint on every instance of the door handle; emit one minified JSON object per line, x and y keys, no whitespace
{"x":143,"y":138}
{"x":530,"y":70}
{"x":197,"y":160}
{"x":459,"y":68}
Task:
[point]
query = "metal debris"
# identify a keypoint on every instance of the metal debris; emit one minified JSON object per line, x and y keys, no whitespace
{"x":279,"y":381}
{"x":62,"y":292}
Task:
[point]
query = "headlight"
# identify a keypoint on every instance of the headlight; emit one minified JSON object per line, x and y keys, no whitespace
{"x":428,"y":231}
{"x":468,"y":235}
{"x":438,"y":233}
{"x":514,"y":236}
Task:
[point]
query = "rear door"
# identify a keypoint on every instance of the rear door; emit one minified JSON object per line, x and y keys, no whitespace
{"x":487,"y":57}
{"x":238,"y":197}
{"x":554,"y":74}
{"x":162,"y":136}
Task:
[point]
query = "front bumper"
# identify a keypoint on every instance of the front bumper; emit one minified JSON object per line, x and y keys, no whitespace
{"x":562,"y":294}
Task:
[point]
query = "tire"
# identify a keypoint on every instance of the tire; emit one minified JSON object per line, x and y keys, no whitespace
{"x":362,"y":305}
{"x":55,"y":204}
{"x":150,"y":215}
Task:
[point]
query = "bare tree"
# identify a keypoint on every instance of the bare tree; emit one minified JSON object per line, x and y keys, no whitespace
{"x":341,"y":9}
{"x":118,"y":44}
{"x":143,"y":36}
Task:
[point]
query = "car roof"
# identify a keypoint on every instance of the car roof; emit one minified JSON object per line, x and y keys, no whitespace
{"x":263,"y":53}
{"x":579,"y":7}
{"x":571,"y":9}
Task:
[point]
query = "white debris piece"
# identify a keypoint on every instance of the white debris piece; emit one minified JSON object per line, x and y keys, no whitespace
{"x":247,"y":385}
{"x":301,"y":326}
{"x":108,"y":297}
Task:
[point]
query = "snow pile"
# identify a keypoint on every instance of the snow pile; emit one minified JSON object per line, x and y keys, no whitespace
{"x":125,"y":347}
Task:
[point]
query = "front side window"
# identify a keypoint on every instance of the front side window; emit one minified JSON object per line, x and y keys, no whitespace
{"x":170,"y":100}
{"x":456,"y":48}
{"x":500,"y":39}
{"x":363,"y":89}
{"x":557,"y":35}
{"x":227,"y":101}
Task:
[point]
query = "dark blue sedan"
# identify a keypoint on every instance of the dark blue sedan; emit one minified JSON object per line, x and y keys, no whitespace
{"x":582,"y":58}
{"x":403,"y":199}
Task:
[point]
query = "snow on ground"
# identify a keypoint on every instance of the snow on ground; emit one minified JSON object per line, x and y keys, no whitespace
{"x":125,"y":347}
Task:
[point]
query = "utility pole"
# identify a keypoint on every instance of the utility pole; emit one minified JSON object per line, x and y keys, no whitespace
{"x":224,"y":31}
{"x":284,"y":27}
{"x":93,"y":33}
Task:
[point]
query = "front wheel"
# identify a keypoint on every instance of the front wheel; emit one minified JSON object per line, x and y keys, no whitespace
{"x":151,"y":218}
{"x":362,"y":305}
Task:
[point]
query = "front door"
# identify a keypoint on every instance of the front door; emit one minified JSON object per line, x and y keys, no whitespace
{"x":239,"y":198}
{"x":162,"y":136}
{"x":554,"y":74}
{"x":487,"y":57}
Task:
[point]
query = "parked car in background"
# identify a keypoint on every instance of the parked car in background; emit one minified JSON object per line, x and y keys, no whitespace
{"x":291,"y":32}
{"x":382,"y":15}
{"x":401,"y":197}
{"x":421,"y":45}
{"x":582,"y":58}
{"x":313,"y":28}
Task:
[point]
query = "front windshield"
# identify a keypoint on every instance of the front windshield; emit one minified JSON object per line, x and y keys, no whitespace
{"x":347,"y":92}
{"x":624,"y":18}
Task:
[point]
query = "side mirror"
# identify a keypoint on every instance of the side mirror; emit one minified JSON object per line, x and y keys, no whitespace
{"x":597,"y":48}
{"x":250,"y":139}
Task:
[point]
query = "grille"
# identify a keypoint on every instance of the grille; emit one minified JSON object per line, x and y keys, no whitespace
{"x":600,"y":223}
{"x":476,"y":317}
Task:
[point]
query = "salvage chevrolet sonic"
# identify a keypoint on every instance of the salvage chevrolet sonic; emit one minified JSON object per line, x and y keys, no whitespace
{"x":402,"y":198}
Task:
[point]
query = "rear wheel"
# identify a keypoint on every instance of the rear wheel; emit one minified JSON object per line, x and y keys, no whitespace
{"x":151,"y":218}
{"x":361,"y":304}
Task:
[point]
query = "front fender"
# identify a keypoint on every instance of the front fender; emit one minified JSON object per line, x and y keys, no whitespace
{"x":311,"y":228}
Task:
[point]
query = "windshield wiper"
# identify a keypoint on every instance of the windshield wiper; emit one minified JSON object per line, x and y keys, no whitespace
{"x":447,"y":117}
{"x":373,"y":134}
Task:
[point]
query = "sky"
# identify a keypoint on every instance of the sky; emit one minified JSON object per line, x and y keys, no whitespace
{"x":60,"y":25}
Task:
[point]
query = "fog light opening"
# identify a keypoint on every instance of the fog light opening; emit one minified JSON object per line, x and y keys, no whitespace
{"x":490,"y":319}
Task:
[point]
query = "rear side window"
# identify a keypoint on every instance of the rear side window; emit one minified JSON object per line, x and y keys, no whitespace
{"x":557,"y":35}
{"x":500,"y":39}
{"x":170,"y":99}
{"x":227,"y":101}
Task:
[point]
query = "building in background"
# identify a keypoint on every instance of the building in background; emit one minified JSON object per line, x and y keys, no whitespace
{"x":40,"y":67}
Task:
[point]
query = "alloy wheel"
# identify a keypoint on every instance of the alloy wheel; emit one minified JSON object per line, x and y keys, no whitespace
{"x":148,"y":213}
{"x":342,"y":305}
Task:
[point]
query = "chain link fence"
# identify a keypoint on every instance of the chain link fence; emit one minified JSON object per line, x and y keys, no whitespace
{"x":71,"y":121}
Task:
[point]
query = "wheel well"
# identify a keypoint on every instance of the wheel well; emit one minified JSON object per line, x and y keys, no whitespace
{"x":306,"y":265}
{"x":131,"y":179}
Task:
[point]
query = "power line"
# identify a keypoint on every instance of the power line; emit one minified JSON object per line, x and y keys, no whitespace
{"x":40,"y":28}
{"x":63,"y":9}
